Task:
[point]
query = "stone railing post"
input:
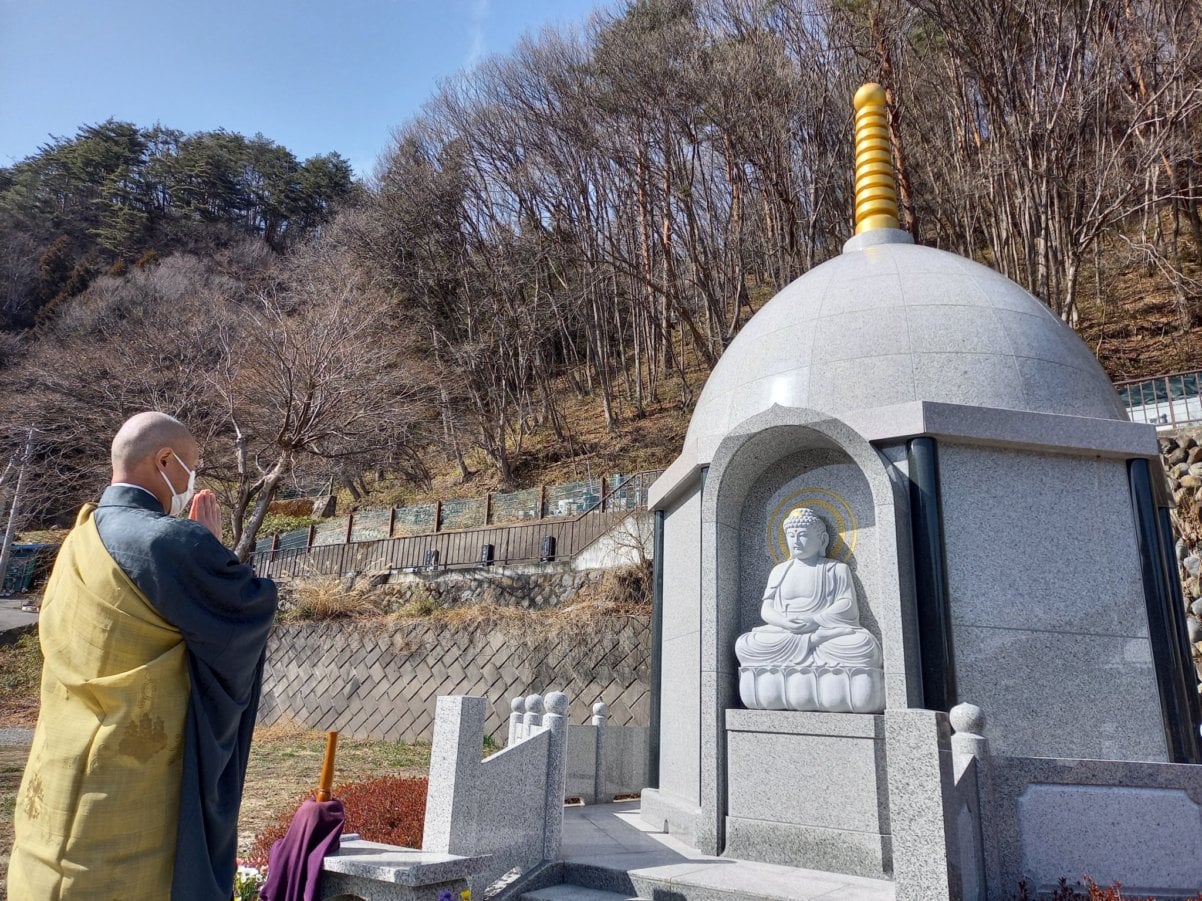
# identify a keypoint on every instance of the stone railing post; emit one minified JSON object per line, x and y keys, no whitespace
{"x":534,"y":714}
{"x":517,"y":721}
{"x":454,"y":763}
{"x":973,"y":777}
{"x":557,"y":772}
{"x":968,"y":740}
{"x":600,"y":715}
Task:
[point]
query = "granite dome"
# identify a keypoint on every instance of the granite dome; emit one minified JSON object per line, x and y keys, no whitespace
{"x":888,"y":322}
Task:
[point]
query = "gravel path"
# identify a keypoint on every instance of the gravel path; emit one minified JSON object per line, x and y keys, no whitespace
{"x":11,"y":736}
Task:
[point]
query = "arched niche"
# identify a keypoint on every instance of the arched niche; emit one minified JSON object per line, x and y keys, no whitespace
{"x":783,"y":454}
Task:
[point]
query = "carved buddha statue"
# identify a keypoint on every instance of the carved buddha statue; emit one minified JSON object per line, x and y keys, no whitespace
{"x":812,"y":653}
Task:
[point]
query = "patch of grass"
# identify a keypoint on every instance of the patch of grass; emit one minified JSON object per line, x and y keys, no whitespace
{"x":421,"y":603}
{"x":539,"y":625}
{"x":620,"y":589}
{"x":281,"y":522}
{"x":328,"y":598}
{"x":416,"y":608}
{"x":43,"y":536}
{"x":20,"y":680}
{"x":12,"y":765}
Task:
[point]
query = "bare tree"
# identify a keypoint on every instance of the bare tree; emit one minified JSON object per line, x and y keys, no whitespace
{"x":309,"y":369}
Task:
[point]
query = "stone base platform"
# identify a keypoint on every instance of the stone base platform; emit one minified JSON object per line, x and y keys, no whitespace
{"x":809,"y":789}
{"x":609,"y":853}
{"x":369,"y":871}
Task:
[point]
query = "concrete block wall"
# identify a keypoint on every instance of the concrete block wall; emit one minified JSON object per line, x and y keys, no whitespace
{"x":381,"y":680}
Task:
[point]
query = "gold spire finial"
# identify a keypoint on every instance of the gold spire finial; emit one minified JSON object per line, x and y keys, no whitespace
{"x":876,"y":192}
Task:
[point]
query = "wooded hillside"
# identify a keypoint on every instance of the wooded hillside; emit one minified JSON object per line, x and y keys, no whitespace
{"x":574,"y":233}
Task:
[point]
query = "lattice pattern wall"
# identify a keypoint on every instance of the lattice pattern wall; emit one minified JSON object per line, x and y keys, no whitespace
{"x":369,"y":680}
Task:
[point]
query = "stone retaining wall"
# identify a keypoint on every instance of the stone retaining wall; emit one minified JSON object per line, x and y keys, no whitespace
{"x":532,"y":587}
{"x":380,"y":678}
{"x":1182,"y":455}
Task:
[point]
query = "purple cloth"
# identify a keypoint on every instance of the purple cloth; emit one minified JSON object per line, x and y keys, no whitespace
{"x":294,"y":864}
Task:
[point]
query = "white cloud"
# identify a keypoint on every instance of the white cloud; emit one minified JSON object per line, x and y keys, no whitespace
{"x":478,"y":47}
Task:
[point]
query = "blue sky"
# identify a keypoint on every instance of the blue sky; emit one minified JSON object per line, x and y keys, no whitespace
{"x":337,"y":75}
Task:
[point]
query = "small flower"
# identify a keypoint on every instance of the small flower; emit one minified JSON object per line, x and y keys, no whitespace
{"x":465,"y":895}
{"x":247,"y":882}
{"x":445,"y":895}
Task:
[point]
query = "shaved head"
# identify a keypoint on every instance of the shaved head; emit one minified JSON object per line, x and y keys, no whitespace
{"x":143,"y":435}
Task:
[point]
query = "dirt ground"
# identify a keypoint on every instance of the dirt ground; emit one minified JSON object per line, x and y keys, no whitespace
{"x":284,"y":765}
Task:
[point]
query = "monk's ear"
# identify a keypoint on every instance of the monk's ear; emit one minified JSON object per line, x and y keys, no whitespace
{"x":162,"y":457}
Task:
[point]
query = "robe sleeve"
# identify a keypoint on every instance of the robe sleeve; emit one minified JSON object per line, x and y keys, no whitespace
{"x":843,"y":610}
{"x":222,"y":609}
{"x":225,"y":614}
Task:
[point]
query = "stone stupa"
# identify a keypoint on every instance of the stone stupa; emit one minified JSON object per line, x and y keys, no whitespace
{"x":1002,"y":529}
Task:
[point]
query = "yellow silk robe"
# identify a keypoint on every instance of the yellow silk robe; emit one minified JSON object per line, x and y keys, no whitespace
{"x":154,"y":635}
{"x":97,"y":811}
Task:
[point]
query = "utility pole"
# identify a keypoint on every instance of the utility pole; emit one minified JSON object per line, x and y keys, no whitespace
{"x":14,"y":509}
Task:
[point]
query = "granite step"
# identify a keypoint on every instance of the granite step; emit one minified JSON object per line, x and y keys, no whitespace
{"x":721,"y":880}
{"x":569,"y":892}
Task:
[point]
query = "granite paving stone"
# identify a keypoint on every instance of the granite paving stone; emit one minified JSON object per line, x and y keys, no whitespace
{"x":612,"y":837}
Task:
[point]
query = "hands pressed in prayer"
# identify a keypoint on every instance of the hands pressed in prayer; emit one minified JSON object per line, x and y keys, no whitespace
{"x":207,"y":511}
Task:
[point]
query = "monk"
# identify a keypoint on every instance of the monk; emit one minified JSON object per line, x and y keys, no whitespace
{"x":154,"y":637}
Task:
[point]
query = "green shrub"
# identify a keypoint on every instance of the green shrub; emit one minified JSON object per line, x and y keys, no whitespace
{"x":283,"y":522}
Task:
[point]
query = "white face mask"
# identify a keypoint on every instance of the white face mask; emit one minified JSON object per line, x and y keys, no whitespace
{"x":179,"y":499}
